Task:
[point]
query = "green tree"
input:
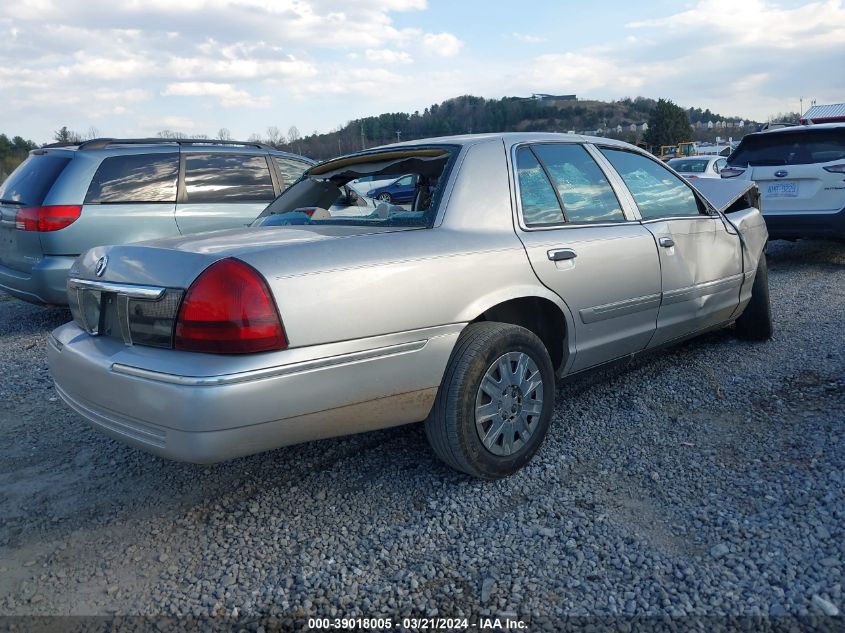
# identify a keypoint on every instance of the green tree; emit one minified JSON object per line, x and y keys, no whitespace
{"x":668,"y":124}
{"x":64,"y":135}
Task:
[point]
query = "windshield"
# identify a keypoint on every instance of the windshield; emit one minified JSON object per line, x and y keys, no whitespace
{"x":689,"y":166}
{"x":798,"y":146}
{"x":391,"y":187}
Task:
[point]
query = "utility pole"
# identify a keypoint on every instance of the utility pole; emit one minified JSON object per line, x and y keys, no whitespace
{"x":398,"y":135}
{"x":363,"y":138}
{"x":801,"y":101}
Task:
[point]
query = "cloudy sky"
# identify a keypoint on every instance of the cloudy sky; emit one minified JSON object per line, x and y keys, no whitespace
{"x":134,"y":67}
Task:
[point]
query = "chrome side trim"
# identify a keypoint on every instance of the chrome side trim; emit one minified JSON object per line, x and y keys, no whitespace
{"x":619,"y":308}
{"x":700,"y":290}
{"x":269,"y":372}
{"x":679,"y":217}
{"x":133,"y":291}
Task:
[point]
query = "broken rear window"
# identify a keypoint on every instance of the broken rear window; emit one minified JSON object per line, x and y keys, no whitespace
{"x":392,"y":187}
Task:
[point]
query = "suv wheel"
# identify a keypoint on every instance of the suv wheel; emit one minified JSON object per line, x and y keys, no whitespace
{"x":755,"y":323}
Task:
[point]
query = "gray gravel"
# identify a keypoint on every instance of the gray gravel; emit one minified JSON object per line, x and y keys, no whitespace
{"x":706,"y":480}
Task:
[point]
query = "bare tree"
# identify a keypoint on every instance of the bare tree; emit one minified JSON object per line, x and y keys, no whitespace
{"x":294,"y":138}
{"x":274,"y":136}
{"x":223,"y":134}
{"x":91,"y":133}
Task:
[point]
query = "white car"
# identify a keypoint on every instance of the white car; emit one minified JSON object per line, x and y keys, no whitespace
{"x":692,"y":167}
{"x":800,"y":171}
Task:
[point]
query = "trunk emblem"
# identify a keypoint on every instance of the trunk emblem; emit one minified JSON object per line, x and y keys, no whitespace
{"x":101,"y":265}
{"x":781,"y":173}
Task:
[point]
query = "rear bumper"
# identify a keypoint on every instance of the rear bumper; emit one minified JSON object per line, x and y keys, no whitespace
{"x":812,"y":225}
{"x":45,"y":283}
{"x":211,"y":418}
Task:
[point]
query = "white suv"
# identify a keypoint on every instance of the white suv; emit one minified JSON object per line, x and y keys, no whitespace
{"x":800,"y":172}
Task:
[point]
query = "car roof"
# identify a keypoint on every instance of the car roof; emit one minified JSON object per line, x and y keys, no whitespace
{"x":508,"y":138}
{"x":801,"y":128}
{"x":697,"y":157}
{"x":110,"y":146}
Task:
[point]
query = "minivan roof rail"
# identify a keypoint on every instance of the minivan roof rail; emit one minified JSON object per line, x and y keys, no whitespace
{"x":102,"y":143}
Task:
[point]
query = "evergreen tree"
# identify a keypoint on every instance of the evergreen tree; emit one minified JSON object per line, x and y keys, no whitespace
{"x":668,"y":124}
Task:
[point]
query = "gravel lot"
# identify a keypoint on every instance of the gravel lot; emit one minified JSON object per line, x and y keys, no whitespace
{"x":707,"y":480}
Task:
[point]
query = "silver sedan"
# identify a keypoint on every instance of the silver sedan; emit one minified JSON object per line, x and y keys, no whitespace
{"x":521,"y":258}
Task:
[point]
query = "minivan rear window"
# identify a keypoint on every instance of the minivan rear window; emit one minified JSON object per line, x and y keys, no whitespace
{"x":135,"y":178}
{"x":31,"y":181}
{"x":802,"y":147}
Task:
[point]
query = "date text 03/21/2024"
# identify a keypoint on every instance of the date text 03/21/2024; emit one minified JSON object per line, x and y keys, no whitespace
{"x":504,"y":623}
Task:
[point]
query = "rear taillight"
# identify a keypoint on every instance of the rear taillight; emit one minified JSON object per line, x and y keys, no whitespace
{"x":229,"y":310}
{"x":731,"y":172}
{"x":835,"y":169}
{"x":53,"y":217}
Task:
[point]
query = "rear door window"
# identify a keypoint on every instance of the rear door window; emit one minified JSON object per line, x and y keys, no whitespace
{"x":581,"y":186}
{"x":656,"y":190}
{"x":135,"y":178}
{"x":290,"y":169}
{"x":227,"y":178}
{"x":32,"y":180}
{"x":802,"y":147}
{"x":539,"y":203}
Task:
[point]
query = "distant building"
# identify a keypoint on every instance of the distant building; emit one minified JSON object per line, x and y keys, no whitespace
{"x":833,"y":113}
{"x":542,"y":96}
{"x":619,"y":129}
{"x":642,"y":127}
{"x":710,"y":125}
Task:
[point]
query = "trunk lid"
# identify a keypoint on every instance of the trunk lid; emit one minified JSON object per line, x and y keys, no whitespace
{"x":806,"y":188}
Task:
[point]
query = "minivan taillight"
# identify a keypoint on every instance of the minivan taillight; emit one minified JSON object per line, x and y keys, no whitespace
{"x":731,"y":172}
{"x":835,"y":169}
{"x":229,"y":310}
{"x":52,"y":217}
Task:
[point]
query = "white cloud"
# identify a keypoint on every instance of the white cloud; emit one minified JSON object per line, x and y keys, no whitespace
{"x":387,"y":56}
{"x":527,"y":38}
{"x":442,"y":44}
{"x":131,"y":63}
{"x":226,"y":94}
{"x":760,"y":23}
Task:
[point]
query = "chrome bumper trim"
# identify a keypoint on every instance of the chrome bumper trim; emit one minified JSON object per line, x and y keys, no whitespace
{"x":133,"y":291}
{"x":269,"y":372}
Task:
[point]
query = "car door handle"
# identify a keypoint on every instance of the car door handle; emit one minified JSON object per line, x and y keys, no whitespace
{"x":666,"y":242}
{"x":561,"y":254}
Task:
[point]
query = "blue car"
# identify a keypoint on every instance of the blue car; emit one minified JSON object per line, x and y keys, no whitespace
{"x":400,"y":190}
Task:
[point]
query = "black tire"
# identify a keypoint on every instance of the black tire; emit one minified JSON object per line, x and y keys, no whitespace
{"x":385,"y":197}
{"x":451,"y":428}
{"x":755,"y":323}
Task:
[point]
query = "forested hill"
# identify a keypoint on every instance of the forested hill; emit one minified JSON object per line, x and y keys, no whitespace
{"x":469,"y":114}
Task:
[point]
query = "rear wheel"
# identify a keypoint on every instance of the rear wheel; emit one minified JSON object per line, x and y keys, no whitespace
{"x":384,"y":197}
{"x":755,"y":324}
{"x":495,"y":403}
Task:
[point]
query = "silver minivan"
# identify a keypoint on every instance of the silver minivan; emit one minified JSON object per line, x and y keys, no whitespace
{"x":63,"y":200}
